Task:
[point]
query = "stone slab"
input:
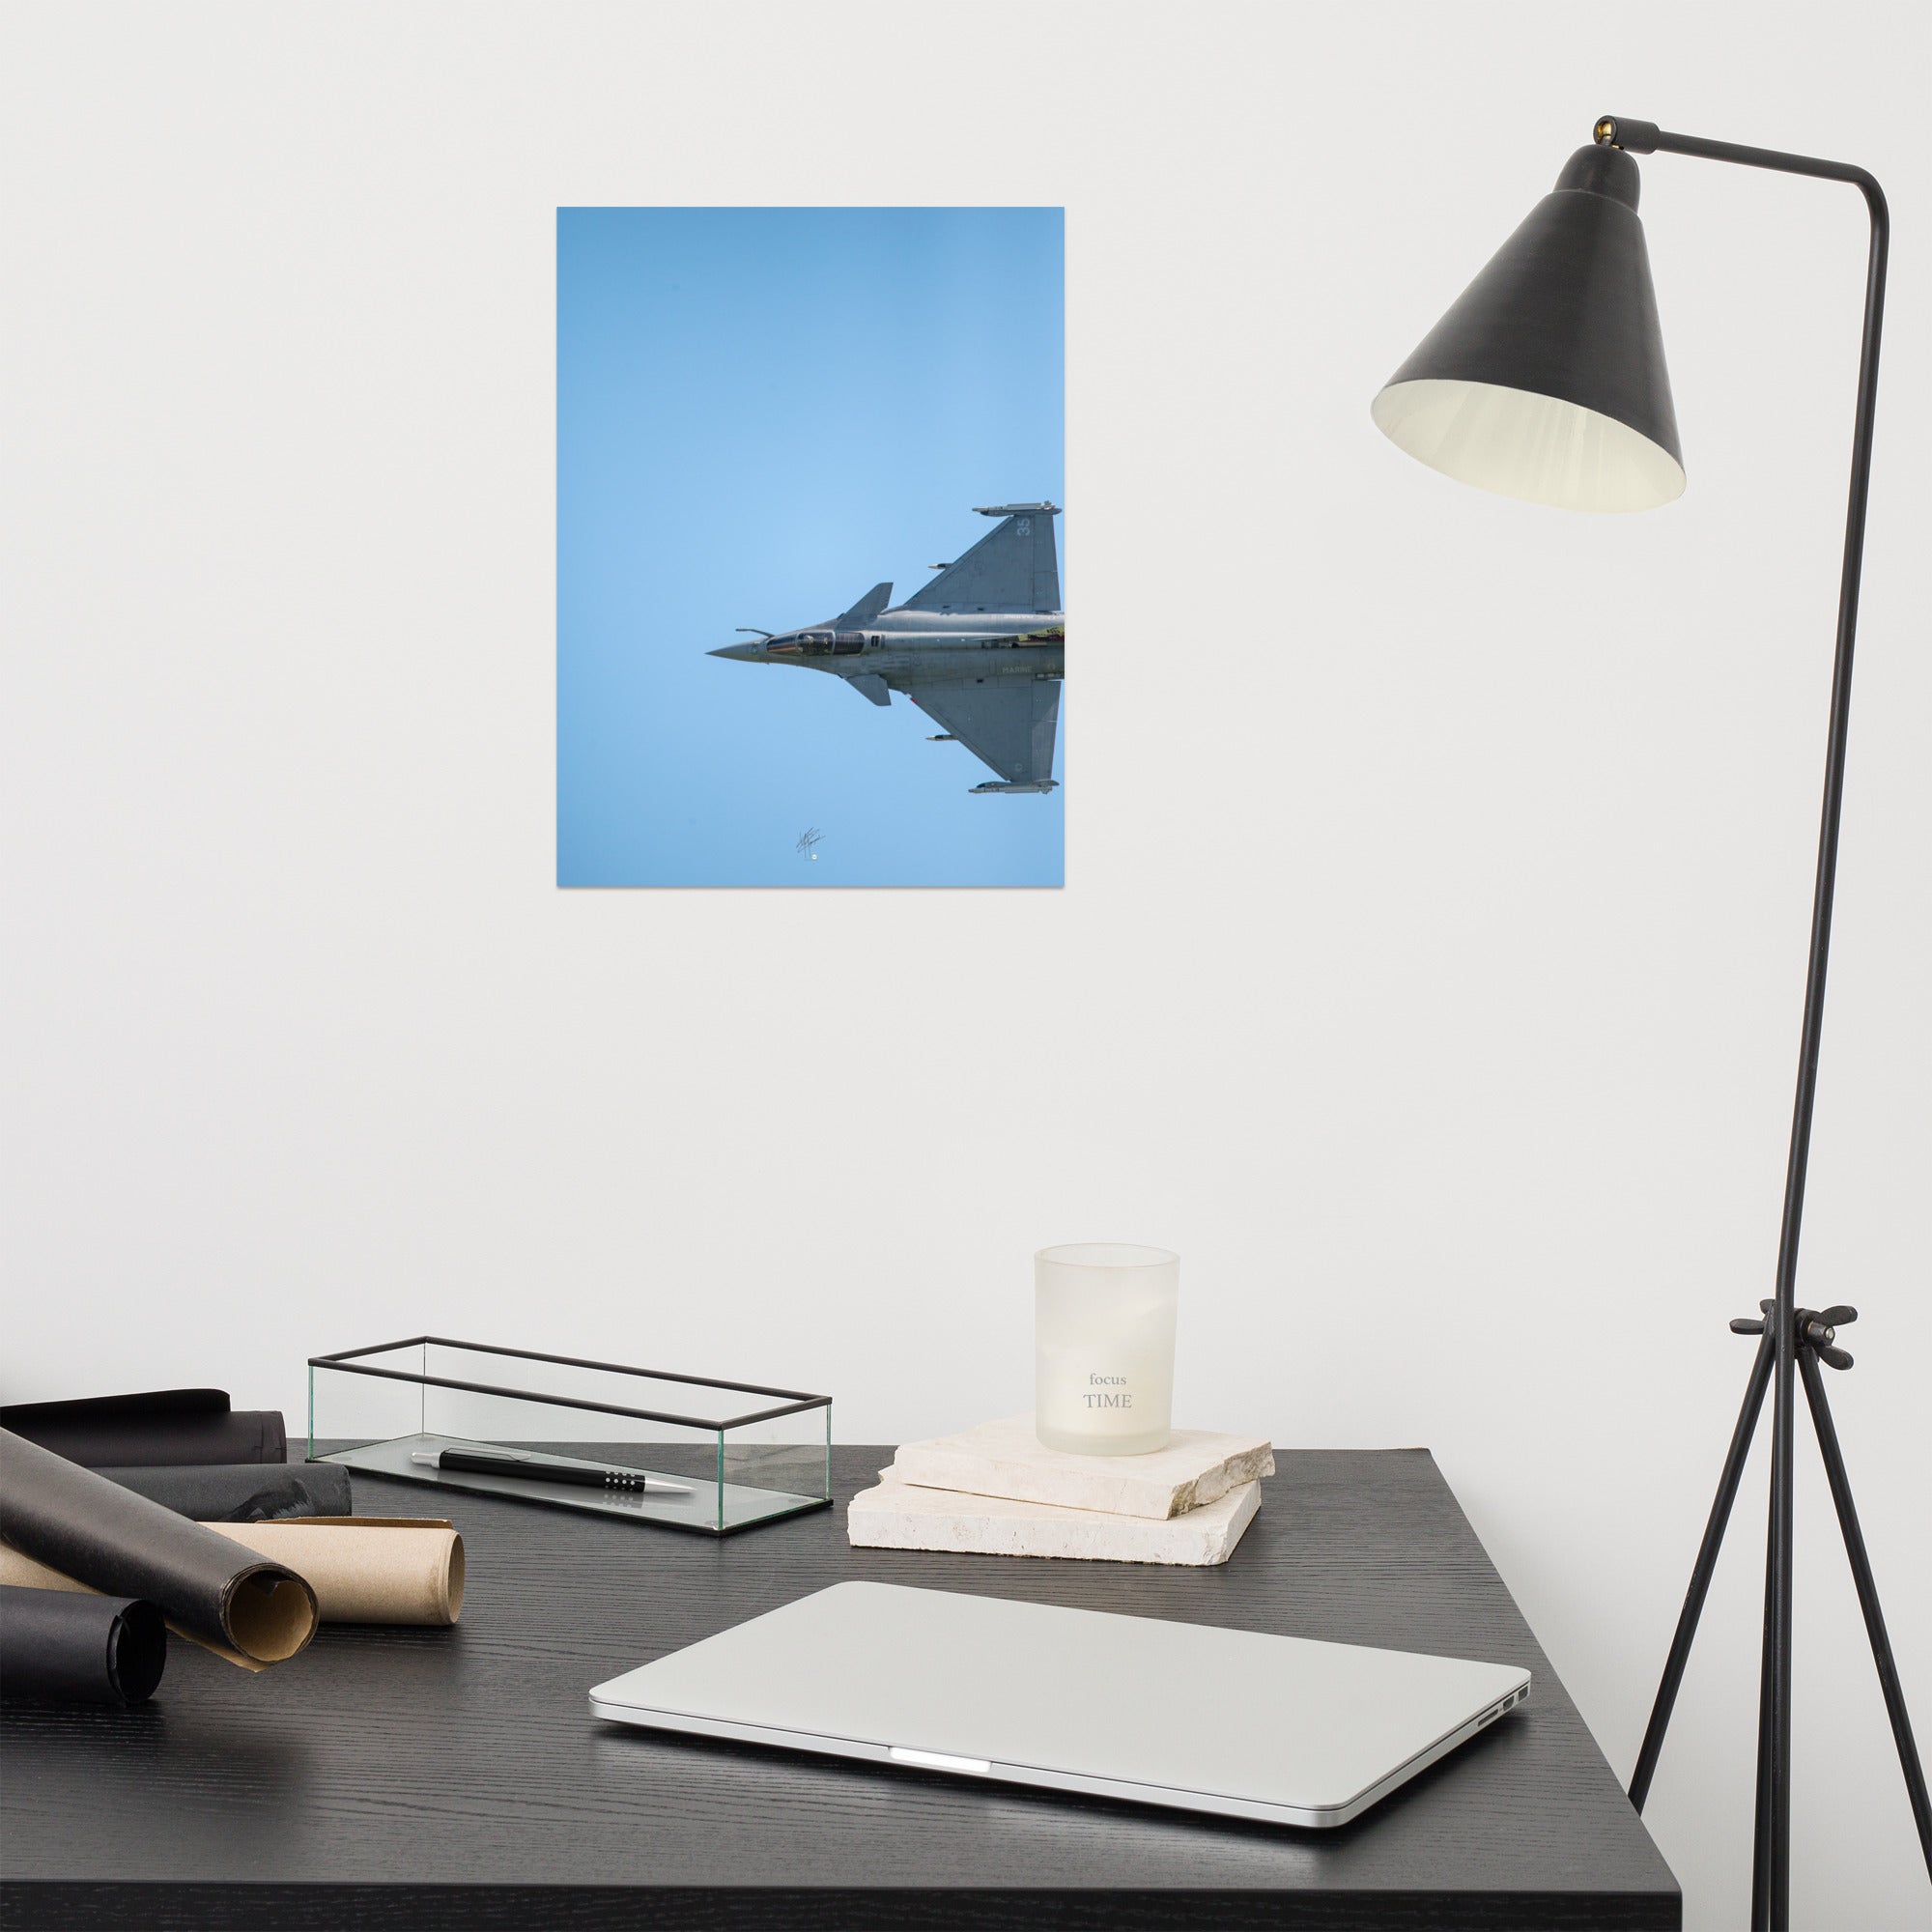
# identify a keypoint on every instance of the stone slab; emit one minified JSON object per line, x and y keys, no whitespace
{"x":903,"y":1516}
{"x":1006,"y":1459}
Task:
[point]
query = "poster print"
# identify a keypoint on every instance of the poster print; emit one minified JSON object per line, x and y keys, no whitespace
{"x":811,"y":625}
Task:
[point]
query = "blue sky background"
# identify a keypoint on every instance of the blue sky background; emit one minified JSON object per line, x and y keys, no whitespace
{"x":761,"y":413}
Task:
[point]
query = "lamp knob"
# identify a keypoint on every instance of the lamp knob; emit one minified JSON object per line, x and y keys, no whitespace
{"x":1619,"y":131}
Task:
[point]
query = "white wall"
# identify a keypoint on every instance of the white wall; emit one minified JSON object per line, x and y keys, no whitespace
{"x":1429,"y":967}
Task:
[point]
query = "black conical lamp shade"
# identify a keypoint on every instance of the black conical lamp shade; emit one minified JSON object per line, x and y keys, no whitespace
{"x":1545,"y":380}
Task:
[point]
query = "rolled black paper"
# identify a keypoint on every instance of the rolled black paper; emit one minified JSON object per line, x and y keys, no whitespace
{"x":118,"y":1542}
{"x":80,"y":1648}
{"x":163,"y":1426}
{"x":243,"y":1492}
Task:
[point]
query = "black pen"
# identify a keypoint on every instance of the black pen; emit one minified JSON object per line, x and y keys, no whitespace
{"x":530,"y":1468}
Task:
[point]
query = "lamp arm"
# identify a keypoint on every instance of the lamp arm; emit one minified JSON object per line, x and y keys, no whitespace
{"x":1770,"y":1903}
{"x":1646,"y":138}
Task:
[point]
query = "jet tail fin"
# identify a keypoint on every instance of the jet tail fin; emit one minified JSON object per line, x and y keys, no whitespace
{"x":866,"y":610}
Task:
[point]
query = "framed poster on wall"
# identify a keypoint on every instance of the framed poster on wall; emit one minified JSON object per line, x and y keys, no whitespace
{"x":811,"y":625}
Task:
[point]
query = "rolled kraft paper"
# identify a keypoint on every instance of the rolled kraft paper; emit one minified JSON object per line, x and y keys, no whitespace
{"x":79,"y":1649}
{"x":363,"y":1570}
{"x":105,"y":1538}
{"x":367,"y":1570}
{"x":243,"y":1492}
{"x":159,"y":1426}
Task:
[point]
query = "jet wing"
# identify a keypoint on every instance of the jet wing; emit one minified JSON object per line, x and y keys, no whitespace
{"x":1013,"y":567}
{"x":1006,"y":723}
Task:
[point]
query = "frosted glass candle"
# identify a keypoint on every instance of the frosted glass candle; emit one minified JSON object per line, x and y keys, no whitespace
{"x":1103,"y":1346}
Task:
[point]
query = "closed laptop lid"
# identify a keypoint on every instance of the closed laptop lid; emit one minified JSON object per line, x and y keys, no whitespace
{"x":1279,"y":1722}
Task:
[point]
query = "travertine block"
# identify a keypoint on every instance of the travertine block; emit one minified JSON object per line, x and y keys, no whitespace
{"x":1005,"y":1458}
{"x":903,"y":1515}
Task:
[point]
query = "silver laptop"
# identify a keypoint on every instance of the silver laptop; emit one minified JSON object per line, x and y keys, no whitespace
{"x":1279,"y":1728}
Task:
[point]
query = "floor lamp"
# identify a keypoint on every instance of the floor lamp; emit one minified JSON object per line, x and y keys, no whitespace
{"x":1545,"y":380}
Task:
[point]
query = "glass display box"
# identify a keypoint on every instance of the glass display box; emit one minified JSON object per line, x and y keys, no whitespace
{"x":683,"y":1452}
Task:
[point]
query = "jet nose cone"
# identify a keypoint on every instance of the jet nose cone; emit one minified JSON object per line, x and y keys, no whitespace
{"x":739,"y":651}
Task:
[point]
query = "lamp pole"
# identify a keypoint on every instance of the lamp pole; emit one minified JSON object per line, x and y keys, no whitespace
{"x":1770,"y":1903}
{"x":1545,"y":380}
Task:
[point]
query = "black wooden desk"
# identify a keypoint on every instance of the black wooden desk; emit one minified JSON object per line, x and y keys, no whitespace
{"x":428,"y":1779}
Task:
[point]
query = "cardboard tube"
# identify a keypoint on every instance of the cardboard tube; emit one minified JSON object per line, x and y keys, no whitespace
{"x":363,"y":1570}
{"x":89,"y":1533}
{"x":366,"y":1569}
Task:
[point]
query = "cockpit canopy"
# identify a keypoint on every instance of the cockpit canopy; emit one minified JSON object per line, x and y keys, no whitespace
{"x":817,"y":645}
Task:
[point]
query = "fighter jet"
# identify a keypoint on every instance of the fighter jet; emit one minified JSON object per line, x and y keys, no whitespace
{"x":981,"y":649}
